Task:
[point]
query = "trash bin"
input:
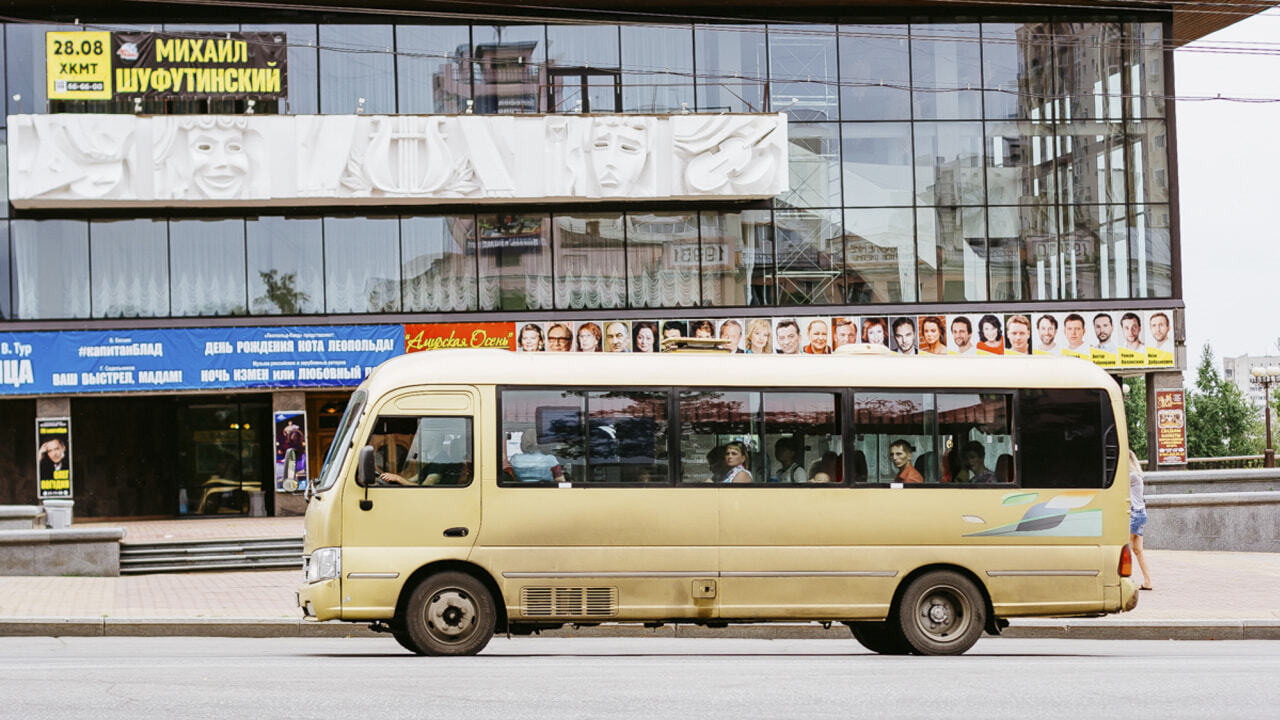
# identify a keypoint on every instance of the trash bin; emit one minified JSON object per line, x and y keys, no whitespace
{"x":57,"y":513}
{"x":257,"y":504}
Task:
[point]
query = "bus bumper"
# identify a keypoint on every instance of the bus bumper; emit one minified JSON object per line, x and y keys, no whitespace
{"x":321,"y":600}
{"x":1128,"y":594}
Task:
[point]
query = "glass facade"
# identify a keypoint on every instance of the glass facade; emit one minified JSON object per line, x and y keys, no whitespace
{"x":957,"y":162}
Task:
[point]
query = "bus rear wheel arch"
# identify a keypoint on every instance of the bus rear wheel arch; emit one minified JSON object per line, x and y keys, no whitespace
{"x":449,"y":613}
{"x":941,"y":612}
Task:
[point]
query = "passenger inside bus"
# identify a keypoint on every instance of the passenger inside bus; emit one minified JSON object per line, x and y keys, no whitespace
{"x":900,"y":454}
{"x":976,"y":470}
{"x":533,"y":465}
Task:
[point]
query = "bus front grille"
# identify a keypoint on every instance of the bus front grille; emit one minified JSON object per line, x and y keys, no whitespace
{"x":569,"y":601}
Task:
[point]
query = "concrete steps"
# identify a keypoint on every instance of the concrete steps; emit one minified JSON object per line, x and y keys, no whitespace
{"x":189,"y":556}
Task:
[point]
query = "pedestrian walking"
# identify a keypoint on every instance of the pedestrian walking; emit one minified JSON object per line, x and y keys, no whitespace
{"x":1137,"y":517}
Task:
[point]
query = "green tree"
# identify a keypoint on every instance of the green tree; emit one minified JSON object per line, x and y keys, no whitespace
{"x":1220,"y":419}
{"x":1135,"y":413}
{"x":281,"y":292}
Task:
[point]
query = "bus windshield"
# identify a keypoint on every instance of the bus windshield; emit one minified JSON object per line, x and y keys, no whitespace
{"x":341,"y":442}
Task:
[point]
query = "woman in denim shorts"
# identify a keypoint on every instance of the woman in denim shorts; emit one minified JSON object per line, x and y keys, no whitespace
{"x":1137,"y":517}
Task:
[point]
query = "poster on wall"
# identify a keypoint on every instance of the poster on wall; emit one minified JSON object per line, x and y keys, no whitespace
{"x":1171,"y":428}
{"x":53,"y":457}
{"x":101,"y":65}
{"x":291,"y":451}
{"x":441,"y":336}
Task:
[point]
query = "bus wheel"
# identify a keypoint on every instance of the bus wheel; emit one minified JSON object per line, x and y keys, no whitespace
{"x":406,"y":641}
{"x":450,"y":613}
{"x":941,"y":613}
{"x":880,"y":637}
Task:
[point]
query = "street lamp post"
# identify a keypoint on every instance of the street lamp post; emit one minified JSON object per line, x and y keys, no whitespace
{"x":1266,"y":377}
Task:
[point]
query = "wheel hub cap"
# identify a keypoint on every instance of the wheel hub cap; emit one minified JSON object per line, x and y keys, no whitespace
{"x":451,"y":613}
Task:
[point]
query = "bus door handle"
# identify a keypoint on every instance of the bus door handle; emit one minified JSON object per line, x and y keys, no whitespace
{"x":456,"y":532}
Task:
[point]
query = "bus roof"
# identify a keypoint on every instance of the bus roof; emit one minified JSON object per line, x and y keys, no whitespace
{"x":503,"y":367}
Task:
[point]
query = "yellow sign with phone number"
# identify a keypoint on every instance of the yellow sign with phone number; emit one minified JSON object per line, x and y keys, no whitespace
{"x":78,"y":65}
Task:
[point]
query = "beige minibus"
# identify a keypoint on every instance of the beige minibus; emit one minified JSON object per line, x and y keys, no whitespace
{"x":921,"y":501}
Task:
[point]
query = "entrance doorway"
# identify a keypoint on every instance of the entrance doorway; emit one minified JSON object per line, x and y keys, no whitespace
{"x":324,"y":412}
{"x":224,"y":453}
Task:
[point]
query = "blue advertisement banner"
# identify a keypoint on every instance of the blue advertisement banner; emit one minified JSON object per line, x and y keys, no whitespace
{"x":42,"y":363}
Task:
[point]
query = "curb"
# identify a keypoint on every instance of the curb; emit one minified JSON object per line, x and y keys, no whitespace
{"x":1250,"y":629}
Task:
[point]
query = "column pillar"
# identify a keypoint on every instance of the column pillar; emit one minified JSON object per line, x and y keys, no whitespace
{"x":1161,"y":380}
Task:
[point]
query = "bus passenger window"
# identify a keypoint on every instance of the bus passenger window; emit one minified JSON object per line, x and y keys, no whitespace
{"x":894,"y":433}
{"x":720,"y":433}
{"x":802,"y":433}
{"x":977,"y":442}
{"x":584,"y":437}
{"x":1064,"y":435}
{"x":422,"y":450}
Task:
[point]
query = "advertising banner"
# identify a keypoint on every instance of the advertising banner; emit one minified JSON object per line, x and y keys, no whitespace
{"x":180,"y":66}
{"x":59,"y":363}
{"x":291,"y":451}
{"x":1171,"y":428}
{"x":440,"y":336}
{"x":53,"y":457}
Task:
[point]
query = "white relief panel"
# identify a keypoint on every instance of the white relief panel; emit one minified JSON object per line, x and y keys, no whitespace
{"x":91,"y":161}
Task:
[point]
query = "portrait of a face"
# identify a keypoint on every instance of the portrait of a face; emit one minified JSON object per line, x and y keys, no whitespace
{"x":617,"y":337}
{"x":619,"y":150}
{"x":1159,"y":324}
{"x":818,"y":335}
{"x":904,"y":334}
{"x":1074,"y":330}
{"x":644,"y":339}
{"x":1132,"y":330}
{"x":731,"y":330}
{"x":845,"y":333}
{"x":1018,"y":330}
{"x":219,"y":163}
{"x":961,"y":334}
{"x":1048,"y":330}
{"x":788,"y":338}
{"x":1102,"y":328}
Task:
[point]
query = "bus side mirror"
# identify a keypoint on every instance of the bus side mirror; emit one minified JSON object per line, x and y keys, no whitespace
{"x":366,"y":473}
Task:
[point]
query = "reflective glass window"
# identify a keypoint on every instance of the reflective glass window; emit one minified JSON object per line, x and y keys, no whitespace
{"x":731,"y":62}
{"x":357,"y":61}
{"x":583,"y":68}
{"x":657,"y":65}
{"x":303,"y":65}
{"x":544,"y":436}
{"x":879,"y":255}
{"x":433,"y":68}
{"x":422,"y":451}
{"x":803,"y":72}
{"x":1090,"y":163}
{"x":1148,"y":161}
{"x":894,"y":438}
{"x":737,"y":258}
{"x":590,"y":267}
{"x":286,"y":260}
{"x":1017,"y":67}
{"x":952,"y":249}
{"x":509,"y":68}
{"x":1145,"y":65}
{"x":361,"y":264}
{"x":1023,"y":253}
{"x":810,"y":251}
{"x":515,"y":262}
{"x":813,"y":161}
{"x":802,"y":438}
{"x":206,"y":267}
{"x":663,"y":259}
{"x":1152,"y":253}
{"x":438,"y":256}
{"x":949,"y":163}
{"x":1089,"y":62}
{"x":627,"y":436}
{"x":877,"y":164}
{"x":4,"y":171}
{"x":50,"y":269}
{"x":6,"y":308}
{"x":1094,"y":253}
{"x":130,"y":264}
{"x":1020,"y":163}
{"x":24,"y":66}
{"x":946,"y":71}
{"x":875,"y":78}
{"x":1062,"y":433}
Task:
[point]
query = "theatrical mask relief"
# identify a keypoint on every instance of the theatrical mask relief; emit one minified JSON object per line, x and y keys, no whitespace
{"x":172,"y":161}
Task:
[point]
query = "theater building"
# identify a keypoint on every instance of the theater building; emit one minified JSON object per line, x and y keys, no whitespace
{"x":219,"y":218}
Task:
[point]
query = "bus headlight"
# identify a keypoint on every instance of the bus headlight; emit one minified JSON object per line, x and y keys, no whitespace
{"x":324,"y":564}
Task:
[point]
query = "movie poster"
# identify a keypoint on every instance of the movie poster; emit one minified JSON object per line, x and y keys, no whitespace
{"x":1171,"y":428}
{"x":53,"y":457}
{"x":291,"y":451}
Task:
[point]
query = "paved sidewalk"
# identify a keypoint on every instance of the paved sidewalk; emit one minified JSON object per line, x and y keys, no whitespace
{"x":1198,"y":595}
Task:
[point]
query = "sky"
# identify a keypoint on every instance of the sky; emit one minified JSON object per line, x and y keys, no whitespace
{"x":1229,"y":179}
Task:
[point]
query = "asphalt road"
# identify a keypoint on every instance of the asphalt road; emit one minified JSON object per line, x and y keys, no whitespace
{"x":222,"y":678}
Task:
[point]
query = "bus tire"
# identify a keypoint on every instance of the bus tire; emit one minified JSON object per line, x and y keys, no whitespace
{"x":406,"y":641}
{"x":880,"y":637}
{"x":450,"y":613}
{"x":941,"y":613}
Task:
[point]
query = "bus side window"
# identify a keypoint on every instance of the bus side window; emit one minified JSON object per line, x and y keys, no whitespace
{"x":894,"y":432}
{"x":1061,"y":437}
{"x":422,"y":450}
{"x":716,"y":426}
{"x":976,"y":437}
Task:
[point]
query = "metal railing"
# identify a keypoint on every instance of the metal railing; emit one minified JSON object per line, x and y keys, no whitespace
{"x":1226,"y":462}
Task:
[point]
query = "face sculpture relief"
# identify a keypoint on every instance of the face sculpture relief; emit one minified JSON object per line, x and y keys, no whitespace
{"x":619,"y":150}
{"x":219,"y":163}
